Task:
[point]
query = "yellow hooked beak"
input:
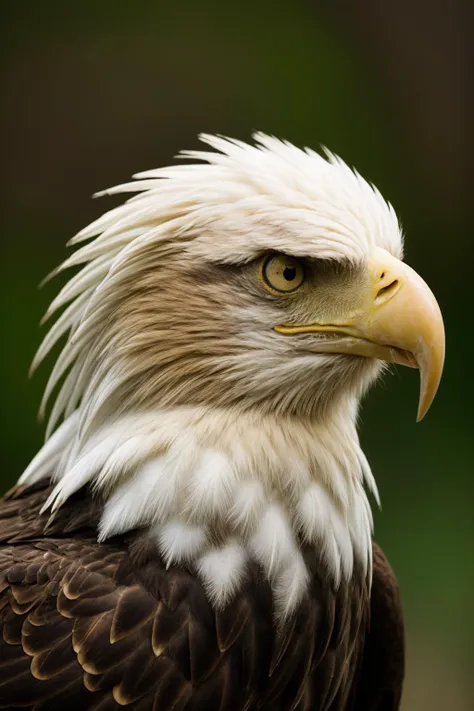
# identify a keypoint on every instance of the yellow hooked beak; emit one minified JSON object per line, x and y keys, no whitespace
{"x":398,"y":321}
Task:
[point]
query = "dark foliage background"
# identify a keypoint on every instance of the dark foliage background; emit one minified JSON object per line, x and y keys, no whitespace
{"x":92,"y":92}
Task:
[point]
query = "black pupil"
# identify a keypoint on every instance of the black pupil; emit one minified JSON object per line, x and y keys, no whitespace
{"x":289,"y":273}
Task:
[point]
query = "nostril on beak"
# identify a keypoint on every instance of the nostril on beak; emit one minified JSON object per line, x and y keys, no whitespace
{"x":387,"y":290}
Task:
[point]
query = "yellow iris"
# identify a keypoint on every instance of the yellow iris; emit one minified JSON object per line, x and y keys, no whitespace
{"x":282,"y":274}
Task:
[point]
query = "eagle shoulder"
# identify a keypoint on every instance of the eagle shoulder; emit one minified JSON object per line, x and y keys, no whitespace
{"x":382,"y":669}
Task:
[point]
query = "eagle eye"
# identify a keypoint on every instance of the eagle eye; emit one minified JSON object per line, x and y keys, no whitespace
{"x":282,"y":274}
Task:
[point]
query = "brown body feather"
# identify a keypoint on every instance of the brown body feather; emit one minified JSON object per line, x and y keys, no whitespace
{"x":88,"y":626}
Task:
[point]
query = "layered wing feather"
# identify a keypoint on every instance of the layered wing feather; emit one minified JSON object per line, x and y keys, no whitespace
{"x":91,"y":626}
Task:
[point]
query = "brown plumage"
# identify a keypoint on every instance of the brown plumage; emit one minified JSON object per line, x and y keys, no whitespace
{"x":104,"y":626}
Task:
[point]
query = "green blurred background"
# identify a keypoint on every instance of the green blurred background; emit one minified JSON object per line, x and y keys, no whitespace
{"x":94,"y":91}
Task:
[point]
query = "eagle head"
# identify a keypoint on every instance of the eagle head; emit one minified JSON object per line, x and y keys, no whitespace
{"x":220,"y":333}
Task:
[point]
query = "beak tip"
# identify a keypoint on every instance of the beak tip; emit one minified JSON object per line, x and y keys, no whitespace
{"x":423,"y":408}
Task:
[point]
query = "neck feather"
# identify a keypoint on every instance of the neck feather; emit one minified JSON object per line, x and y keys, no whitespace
{"x":216,"y":488}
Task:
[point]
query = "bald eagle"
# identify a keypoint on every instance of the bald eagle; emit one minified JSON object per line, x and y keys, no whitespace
{"x":196,"y":534}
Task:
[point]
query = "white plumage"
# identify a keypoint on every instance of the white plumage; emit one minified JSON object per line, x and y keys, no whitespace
{"x":181,"y":405}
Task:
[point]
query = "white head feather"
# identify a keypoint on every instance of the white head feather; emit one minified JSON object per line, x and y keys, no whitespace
{"x":181,"y":405}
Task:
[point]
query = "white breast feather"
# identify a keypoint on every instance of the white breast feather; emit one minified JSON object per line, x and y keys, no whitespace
{"x":190,"y":475}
